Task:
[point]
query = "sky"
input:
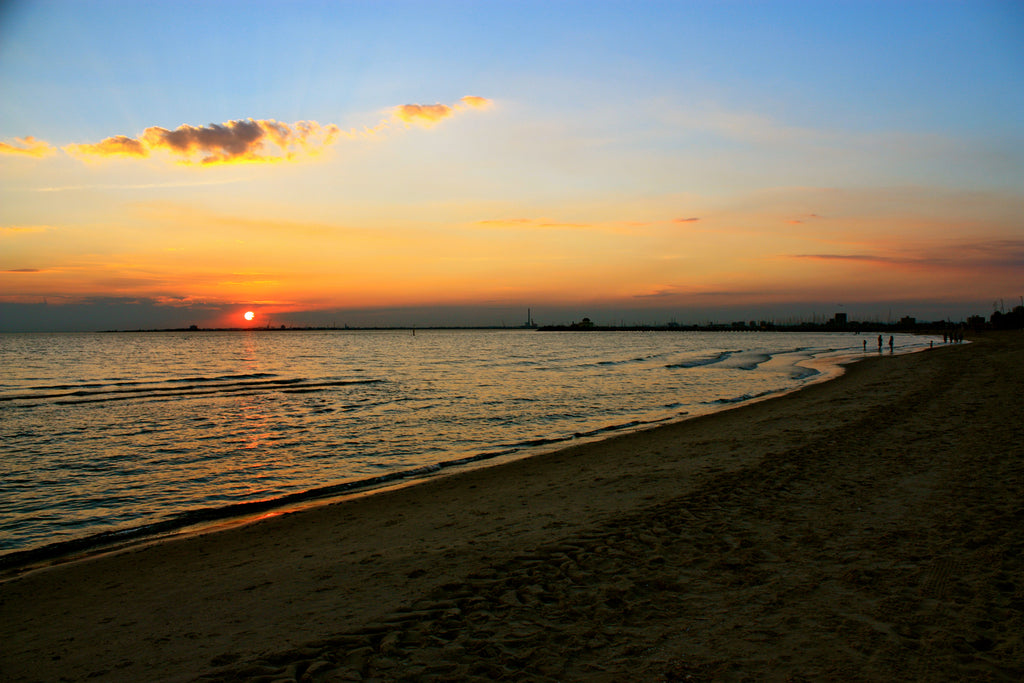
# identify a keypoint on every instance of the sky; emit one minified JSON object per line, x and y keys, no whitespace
{"x":458,"y":163}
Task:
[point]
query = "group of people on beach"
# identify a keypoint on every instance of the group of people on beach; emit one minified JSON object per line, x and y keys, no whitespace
{"x":880,"y":344}
{"x":954,"y":337}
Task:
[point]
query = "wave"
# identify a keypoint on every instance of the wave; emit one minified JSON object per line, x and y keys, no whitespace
{"x":605,"y":363}
{"x":707,"y":360}
{"x":198,"y":387}
{"x":739,"y":360}
{"x":117,"y":382}
{"x":801,"y":372}
{"x":624,"y":361}
{"x":743,"y":398}
{"x":620,"y":427}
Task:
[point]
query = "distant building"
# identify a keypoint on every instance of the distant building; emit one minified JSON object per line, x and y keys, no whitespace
{"x":840,"y":319}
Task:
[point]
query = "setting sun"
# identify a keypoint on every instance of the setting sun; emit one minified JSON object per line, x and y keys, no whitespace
{"x":249,"y":315}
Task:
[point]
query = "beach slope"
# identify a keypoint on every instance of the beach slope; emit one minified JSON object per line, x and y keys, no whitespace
{"x":869,"y":528}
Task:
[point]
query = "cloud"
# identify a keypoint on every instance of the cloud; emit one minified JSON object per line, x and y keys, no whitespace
{"x":423,"y":114}
{"x":531,"y":223}
{"x":982,"y":255}
{"x":671,"y":291}
{"x":134,"y":186}
{"x":119,"y":145}
{"x":23,"y":270}
{"x":27,"y":146}
{"x":476,"y":102}
{"x":506,"y":221}
{"x":246,"y":140}
{"x":429,"y":114}
{"x":22,"y":229}
{"x":658,"y":294}
{"x":863,"y":258}
{"x":803,"y":219}
{"x":685,"y":220}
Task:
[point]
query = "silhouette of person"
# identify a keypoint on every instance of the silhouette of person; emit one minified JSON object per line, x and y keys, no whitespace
{"x":890,"y":343}
{"x":865,"y":346}
{"x":879,"y":343}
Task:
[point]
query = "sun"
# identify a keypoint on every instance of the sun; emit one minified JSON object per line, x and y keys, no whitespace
{"x":249,"y":315}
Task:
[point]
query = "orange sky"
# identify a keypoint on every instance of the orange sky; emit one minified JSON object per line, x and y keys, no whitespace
{"x":574,"y":184}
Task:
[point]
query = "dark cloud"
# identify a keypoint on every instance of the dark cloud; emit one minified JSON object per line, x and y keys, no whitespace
{"x":246,"y":140}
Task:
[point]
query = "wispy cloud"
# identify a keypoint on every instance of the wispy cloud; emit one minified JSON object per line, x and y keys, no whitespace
{"x":22,"y":229}
{"x":27,"y":146}
{"x":619,"y":227}
{"x":691,"y":293}
{"x":532,"y":223}
{"x":502,"y":222}
{"x":685,"y":220}
{"x":803,"y":219}
{"x":1001,"y":253}
{"x":859,"y":258}
{"x":667,"y":292}
{"x":134,"y":186}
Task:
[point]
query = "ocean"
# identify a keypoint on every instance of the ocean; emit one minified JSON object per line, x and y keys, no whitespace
{"x":111,"y":436}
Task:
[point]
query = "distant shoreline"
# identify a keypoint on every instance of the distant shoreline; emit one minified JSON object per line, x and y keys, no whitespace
{"x":855,"y":327}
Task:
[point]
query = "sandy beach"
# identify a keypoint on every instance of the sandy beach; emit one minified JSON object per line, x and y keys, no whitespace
{"x":869,"y":528}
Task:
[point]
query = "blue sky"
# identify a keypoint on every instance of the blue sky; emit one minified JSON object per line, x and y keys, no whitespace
{"x":895,"y":129}
{"x":84,"y":68}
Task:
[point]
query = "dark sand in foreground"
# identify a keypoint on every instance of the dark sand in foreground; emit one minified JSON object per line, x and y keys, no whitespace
{"x":869,"y":528}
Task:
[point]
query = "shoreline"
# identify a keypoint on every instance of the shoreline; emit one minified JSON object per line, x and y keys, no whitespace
{"x":729,"y":544}
{"x":15,"y":562}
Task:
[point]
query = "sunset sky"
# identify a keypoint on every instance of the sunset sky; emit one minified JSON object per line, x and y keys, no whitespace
{"x":395,"y":163}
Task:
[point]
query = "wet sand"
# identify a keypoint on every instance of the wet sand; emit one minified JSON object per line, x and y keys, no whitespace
{"x":869,"y":528}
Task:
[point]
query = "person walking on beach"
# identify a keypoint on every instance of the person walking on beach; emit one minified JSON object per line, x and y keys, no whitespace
{"x":890,"y":343}
{"x":879,"y":343}
{"x":865,"y":346}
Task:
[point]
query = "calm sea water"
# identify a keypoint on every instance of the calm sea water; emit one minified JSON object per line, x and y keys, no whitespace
{"x":108,"y":435}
